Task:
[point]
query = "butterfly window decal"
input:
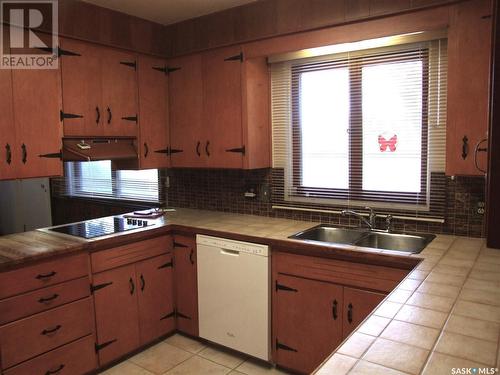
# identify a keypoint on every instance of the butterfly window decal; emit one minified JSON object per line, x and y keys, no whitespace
{"x":387,"y":143}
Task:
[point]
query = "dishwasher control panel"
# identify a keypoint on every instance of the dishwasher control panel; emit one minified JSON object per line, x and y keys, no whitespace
{"x":232,"y":245}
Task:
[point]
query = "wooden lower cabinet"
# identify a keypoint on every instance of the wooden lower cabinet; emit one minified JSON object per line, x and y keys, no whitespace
{"x":309,"y":322}
{"x":186,"y":286}
{"x":116,"y":311}
{"x":358,"y":304}
{"x":156,"y":303}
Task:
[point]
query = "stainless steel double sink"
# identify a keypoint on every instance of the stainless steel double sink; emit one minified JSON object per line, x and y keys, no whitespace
{"x":411,"y":243}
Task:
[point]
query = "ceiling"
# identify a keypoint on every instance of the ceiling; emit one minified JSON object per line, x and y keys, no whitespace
{"x":168,"y":11}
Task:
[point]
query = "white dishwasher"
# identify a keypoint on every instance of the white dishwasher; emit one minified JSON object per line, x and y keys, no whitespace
{"x":233,"y":294}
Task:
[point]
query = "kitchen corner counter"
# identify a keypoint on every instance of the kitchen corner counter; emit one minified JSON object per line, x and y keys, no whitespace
{"x":444,"y":315}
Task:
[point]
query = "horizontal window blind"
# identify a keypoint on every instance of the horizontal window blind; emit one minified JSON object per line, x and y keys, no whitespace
{"x":362,"y":128}
{"x":96,"y":179}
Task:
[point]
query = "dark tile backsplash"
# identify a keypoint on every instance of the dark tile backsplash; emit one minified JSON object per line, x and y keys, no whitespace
{"x":223,"y":190}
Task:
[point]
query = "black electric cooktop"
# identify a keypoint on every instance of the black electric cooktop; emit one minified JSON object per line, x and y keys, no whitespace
{"x":102,"y":227}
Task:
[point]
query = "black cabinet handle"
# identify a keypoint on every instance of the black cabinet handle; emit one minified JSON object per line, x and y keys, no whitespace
{"x":42,"y":276}
{"x":143,"y":283}
{"x":48,"y":299}
{"x":207,"y":151}
{"x":110,"y":115}
{"x":56,"y":371}
{"x":198,"y":149}
{"x":97,"y":115}
{"x":50,"y":331}
{"x":465,"y":147}
{"x":349,"y":313}
{"x":191,"y":256}
{"x":131,"y":286}
{"x":334,"y":310}
{"x":24,"y":153}
{"x":8,"y":154}
{"x":146,"y":150}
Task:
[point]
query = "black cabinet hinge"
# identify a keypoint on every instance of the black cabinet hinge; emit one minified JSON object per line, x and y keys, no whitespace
{"x":169,"y":315}
{"x":131,"y":118}
{"x":64,"y":115}
{"x":281,"y":346}
{"x":93,"y":287}
{"x":103,"y":345}
{"x":55,"y":155}
{"x":285,"y":288}
{"x":165,"y":69}
{"x":132,"y":64}
{"x":238,"y":57}
{"x":240,"y":150}
{"x":60,"y":52}
{"x":166,"y":265}
{"x":178,"y":244}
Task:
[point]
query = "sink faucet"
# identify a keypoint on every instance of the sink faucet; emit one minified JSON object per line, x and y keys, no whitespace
{"x":370,"y":222}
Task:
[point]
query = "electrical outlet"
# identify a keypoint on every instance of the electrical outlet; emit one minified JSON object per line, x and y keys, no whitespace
{"x":264,"y":193}
{"x":480,"y":208}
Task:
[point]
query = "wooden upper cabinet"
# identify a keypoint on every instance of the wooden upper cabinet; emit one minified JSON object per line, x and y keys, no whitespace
{"x":358,"y":304}
{"x":82,"y":88}
{"x":9,"y":151}
{"x":119,"y":92}
{"x":187,"y":134}
{"x":308,"y":322}
{"x":37,"y":101}
{"x":155,"y":297}
{"x":222,"y":107}
{"x":469,"y":56}
{"x":99,"y":90}
{"x":153,"y":113}
{"x":186,"y":284}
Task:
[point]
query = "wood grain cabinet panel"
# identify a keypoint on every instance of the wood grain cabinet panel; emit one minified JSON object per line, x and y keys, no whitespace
{"x":358,"y":304}
{"x":186,"y":284}
{"x":43,"y":274}
{"x":155,"y":297}
{"x":76,"y":358}
{"x":309,"y":324}
{"x":116,"y":311}
{"x":154,"y":138}
{"x":9,"y":151}
{"x":42,"y":332}
{"x":43,"y":299}
{"x":187,"y":130}
{"x":469,"y":59}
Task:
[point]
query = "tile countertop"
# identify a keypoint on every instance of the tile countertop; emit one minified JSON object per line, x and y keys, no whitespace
{"x":444,"y":315}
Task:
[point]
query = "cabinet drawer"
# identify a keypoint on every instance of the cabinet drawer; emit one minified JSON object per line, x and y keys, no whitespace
{"x":40,"y":333}
{"x":76,"y":358}
{"x":42,"y":275}
{"x":27,"y":304}
{"x":126,"y":254}
{"x":379,"y":278}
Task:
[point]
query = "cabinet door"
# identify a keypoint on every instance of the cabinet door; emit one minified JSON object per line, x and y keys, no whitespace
{"x":307,"y":322}
{"x":469,"y":53}
{"x":81,"y":88}
{"x":9,"y":152}
{"x":156,"y":302}
{"x":186,"y":288}
{"x":358,"y":304}
{"x":187,"y":131}
{"x":153,"y":113}
{"x":119,"y":93}
{"x":37,"y":102}
{"x":222,"y":107}
{"x":117,"y":322}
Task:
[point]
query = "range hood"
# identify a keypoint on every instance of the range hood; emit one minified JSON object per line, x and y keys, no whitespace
{"x":117,"y":149}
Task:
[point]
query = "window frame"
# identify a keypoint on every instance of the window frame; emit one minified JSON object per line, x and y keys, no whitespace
{"x":355,"y":191}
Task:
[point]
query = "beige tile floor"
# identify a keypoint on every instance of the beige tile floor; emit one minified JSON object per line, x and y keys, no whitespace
{"x":181,"y":355}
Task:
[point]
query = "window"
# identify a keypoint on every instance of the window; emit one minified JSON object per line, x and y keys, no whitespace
{"x":365,"y":127}
{"x":97,"y":179}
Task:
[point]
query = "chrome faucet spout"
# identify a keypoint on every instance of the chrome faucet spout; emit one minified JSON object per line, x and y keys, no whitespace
{"x":370,"y":223}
